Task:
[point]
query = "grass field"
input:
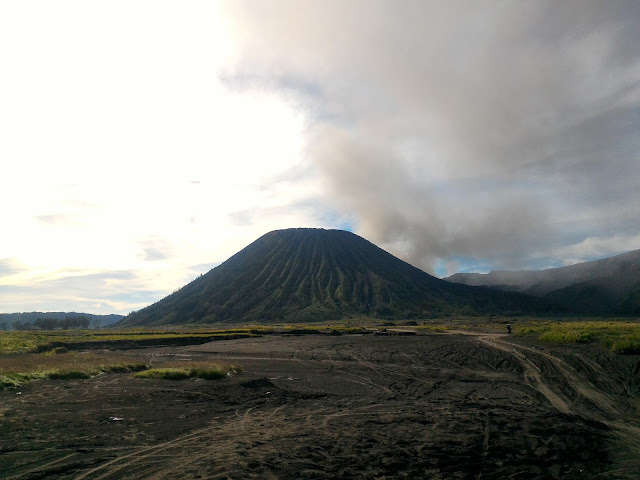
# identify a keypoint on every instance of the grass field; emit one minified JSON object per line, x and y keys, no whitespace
{"x":40,"y":341}
{"x":620,"y":336}
{"x":197,"y":370}
{"x":20,"y":368}
{"x":32,"y":355}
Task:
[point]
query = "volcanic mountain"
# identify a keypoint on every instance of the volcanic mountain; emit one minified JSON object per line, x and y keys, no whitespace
{"x":304,"y":274}
{"x":606,"y":286}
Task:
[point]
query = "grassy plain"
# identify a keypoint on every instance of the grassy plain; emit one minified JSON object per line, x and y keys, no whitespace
{"x":18,"y":369}
{"x":620,"y":336}
{"x":26,"y":356}
{"x":206,"y":371}
{"x":42,"y":341}
{"x":37,"y":341}
{"x":32,"y":355}
{"x":459,"y":401}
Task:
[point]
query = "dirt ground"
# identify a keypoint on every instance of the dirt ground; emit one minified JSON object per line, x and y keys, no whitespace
{"x":438,"y":406}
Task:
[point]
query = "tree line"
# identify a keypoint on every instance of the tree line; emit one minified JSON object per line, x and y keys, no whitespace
{"x":67,"y":323}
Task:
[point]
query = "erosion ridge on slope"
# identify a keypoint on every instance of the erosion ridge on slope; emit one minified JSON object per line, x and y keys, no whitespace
{"x":304,"y":274}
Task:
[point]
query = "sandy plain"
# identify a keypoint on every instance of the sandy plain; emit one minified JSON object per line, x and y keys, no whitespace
{"x":456,"y":405}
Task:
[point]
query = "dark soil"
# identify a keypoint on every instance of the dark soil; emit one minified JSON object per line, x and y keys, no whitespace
{"x":448,"y":406}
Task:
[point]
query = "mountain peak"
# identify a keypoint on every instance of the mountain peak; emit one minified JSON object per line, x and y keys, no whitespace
{"x":314,"y":274}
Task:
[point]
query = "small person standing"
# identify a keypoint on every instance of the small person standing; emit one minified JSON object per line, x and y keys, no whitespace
{"x":508,"y":328}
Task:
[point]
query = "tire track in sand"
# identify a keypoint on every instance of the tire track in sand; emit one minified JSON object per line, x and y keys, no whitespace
{"x":573,"y":379}
{"x":111,"y":467}
{"x":532,"y":372}
{"x":607,"y":409}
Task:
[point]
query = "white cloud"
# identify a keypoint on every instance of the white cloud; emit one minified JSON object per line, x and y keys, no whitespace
{"x":596,"y":247}
{"x":487,"y":130}
{"x":120,"y":144}
{"x":148,"y":137}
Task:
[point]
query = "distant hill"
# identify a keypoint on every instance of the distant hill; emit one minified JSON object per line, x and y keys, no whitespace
{"x":303,"y":274}
{"x":7,"y":320}
{"x":607,"y":286}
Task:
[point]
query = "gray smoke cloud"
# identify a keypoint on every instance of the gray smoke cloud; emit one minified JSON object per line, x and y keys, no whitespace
{"x":504,"y":132}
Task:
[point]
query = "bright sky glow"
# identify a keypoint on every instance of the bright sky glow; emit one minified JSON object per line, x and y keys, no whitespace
{"x":144,"y":142}
{"x":122,"y":151}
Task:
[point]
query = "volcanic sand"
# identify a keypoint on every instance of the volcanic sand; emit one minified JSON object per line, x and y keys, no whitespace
{"x":441,"y":406}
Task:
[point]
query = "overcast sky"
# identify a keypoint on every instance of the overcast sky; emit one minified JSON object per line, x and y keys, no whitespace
{"x":144,"y":142}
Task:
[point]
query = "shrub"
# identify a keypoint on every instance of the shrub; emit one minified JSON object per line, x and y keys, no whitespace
{"x":164,"y":373}
{"x":7,"y":381}
{"x":207,"y":372}
{"x":570,"y":336}
{"x":57,"y":351}
{"x":622,"y":337}
{"x":123,"y":367}
{"x":13,"y":378}
{"x":72,"y":374}
{"x":625,"y":346}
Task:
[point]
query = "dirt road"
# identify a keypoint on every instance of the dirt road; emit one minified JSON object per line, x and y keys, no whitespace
{"x":461,"y":405}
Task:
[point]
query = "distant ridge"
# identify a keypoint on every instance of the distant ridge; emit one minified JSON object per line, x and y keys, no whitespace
{"x":606,"y":286}
{"x":304,"y":274}
{"x":26,"y":318}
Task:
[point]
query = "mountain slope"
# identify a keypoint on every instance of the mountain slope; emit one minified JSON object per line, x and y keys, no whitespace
{"x":609,"y":285}
{"x":303,"y":274}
